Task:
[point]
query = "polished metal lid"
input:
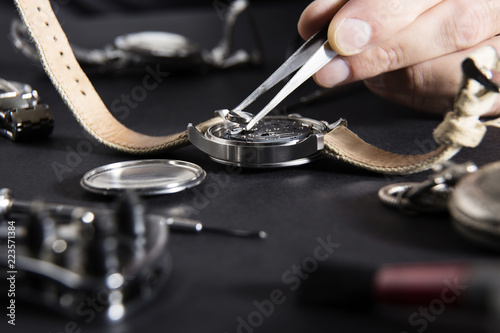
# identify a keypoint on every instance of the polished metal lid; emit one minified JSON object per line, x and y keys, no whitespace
{"x":146,"y":177}
{"x":475,"y":206}
{"x":157,"y":43}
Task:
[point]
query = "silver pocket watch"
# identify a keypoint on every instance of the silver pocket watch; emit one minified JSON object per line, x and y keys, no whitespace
{"x":469,"y":194}
{"x":475,"y":206}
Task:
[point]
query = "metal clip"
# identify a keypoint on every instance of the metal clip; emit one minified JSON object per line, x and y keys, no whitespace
{"x":430,"y":195}
{"x":25,"y":123}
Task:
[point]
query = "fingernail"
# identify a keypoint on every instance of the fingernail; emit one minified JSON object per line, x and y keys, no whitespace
{"x":352,"y":36}
{"x":333,"y":73}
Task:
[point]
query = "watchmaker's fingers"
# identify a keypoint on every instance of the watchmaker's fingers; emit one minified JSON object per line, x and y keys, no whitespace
{"x":429,"y":86}
{"x":436,"y":77}
{"x":356,"y":24}
{"x":448,"y":27}
{"x":317,"y":16}
{"x":360,"y":24}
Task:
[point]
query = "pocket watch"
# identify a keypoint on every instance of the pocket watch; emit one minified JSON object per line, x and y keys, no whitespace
{"x":468,"y":193}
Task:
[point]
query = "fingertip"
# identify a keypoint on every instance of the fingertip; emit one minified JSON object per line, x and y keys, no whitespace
{"x":334,"y":73}
{"x":315,"y":78}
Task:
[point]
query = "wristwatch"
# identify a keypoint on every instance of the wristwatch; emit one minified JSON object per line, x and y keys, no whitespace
{"x":137,"y":50}
{"x":278,"y":141}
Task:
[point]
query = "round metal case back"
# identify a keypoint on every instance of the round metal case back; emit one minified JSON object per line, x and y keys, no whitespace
{"x":276,"y":141}
{"x":146,"y":177}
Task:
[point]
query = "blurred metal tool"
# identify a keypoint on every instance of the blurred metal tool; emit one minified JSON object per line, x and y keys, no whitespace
{"x":308,"y":59}
{"x":184,"y":224}
{"x":10,"y":205}
{"x":63,"y":255}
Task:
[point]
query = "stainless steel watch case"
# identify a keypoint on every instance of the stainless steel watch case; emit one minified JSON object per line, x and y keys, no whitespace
{"x":276,"y":141}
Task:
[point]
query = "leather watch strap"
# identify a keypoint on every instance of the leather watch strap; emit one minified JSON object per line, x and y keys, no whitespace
{"x":78,"y":92}
{"x":346,"y":146}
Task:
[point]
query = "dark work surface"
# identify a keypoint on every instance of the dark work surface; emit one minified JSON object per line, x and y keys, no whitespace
{"x":216,"y":279}
{"x":104,"y":7}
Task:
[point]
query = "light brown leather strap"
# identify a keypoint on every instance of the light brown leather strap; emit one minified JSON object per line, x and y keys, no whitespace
{"x":77,"y":91}
{"x":346,"y":146}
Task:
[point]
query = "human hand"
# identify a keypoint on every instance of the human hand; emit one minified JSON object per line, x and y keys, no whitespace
{"x":409,"y":51}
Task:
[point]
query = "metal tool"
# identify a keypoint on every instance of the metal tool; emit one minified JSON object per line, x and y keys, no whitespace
{"x":184,"y":224}
{"x":308,"y":59}
{"x":10,"y":205}
{"x":64,"y":255}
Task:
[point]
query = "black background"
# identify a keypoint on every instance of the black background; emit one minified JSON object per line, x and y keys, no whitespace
{"x":216,"y":279}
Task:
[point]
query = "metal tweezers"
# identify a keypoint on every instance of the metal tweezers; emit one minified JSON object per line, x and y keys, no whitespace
{"x":310,"y":58}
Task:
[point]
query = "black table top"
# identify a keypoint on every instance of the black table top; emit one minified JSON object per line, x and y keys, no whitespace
{"x":217,"y":280}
